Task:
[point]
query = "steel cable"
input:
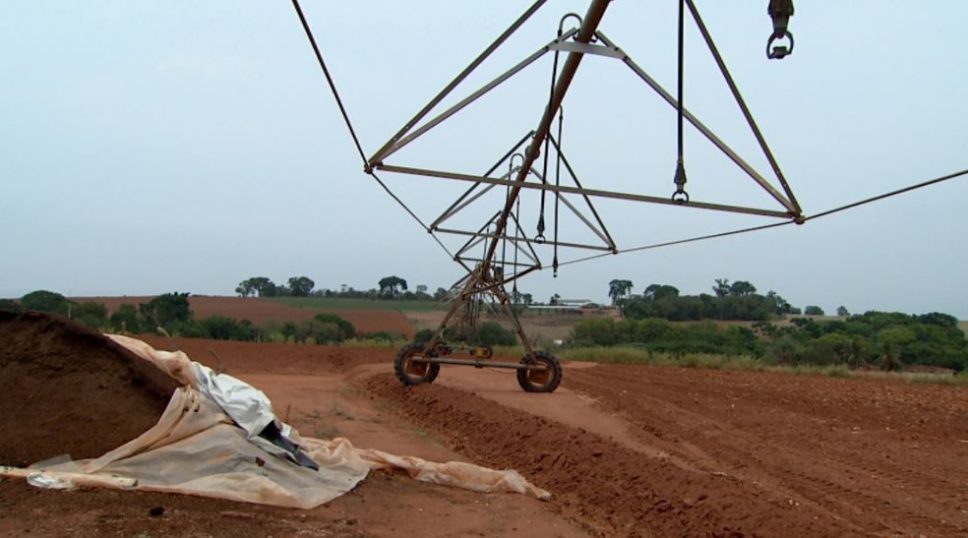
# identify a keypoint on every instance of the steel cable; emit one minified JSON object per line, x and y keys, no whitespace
{"x":822,"y":214}
{"x":349,"y":126}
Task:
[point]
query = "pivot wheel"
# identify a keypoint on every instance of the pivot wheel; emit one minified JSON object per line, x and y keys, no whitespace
{"x":414,"y":372}
{"x":544,"y":380}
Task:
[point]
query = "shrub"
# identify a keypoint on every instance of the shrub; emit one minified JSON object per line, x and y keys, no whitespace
{"x":346,"y":328}
{"x":125,"y":319}
{"x":491,"y":333}
{"x":423,"y":336}
{"x":91,"y":315}
{"x":45,"y":301}
{"x":384,"y":336}
{"x":9,"y":305}
{"x":225,"y":328}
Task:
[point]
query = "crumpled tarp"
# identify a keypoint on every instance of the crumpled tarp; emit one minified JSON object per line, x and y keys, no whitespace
{"x":205,"y":443}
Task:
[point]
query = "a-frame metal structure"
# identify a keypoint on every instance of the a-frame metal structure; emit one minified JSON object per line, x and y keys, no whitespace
{"x":484,"y":255}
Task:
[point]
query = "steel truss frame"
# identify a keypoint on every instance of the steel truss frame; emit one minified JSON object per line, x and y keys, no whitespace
{"x":487,"y":277}
{"x":540,"y":372}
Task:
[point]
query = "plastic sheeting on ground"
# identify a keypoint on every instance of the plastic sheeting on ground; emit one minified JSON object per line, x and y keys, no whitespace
{"x":205,"y":444}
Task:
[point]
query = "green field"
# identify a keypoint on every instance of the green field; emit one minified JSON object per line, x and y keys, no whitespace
{"x":359,"y":304}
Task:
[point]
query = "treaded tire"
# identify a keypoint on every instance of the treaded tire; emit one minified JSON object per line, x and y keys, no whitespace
{"x":540,"y":381}
{"x":410,"y":373}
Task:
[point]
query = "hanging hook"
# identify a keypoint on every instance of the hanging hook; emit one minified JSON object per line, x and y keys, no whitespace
{"x":680,"y":196}
{"x":779,"y":51}
{"x":780,"y":11}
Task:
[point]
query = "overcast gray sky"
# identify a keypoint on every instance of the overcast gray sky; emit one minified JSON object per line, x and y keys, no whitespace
{"x":148,"y":147}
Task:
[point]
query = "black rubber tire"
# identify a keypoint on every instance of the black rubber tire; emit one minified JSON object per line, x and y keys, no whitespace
{"x":530,"y":380}
{"x":402,"y":366}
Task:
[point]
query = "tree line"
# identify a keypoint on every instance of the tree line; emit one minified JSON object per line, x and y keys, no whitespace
{"x":389,"y":287}
{"x":885,"y":340}
{"x":172,"y":313}
{"x":737,"y":300}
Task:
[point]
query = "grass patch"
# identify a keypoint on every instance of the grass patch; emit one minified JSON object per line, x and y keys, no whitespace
{"x":830,"y":370}
{"x":958,"y":380}
{"x":327,"y":303}
{"x":365,"y":341}
{"x":639,"y":355}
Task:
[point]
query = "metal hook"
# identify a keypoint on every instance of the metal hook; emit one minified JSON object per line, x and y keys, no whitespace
{"x":780,"y":11}
{"x":680,"y":196}
{"x":780,"y":51}
{"x":561,"y":23}
{"x":511,"y":162}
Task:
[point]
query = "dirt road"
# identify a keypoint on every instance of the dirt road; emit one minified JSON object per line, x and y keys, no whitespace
{"x":627,"y":451}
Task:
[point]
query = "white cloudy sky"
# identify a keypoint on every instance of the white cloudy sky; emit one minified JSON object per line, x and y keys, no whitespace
{"x":148,"y":147}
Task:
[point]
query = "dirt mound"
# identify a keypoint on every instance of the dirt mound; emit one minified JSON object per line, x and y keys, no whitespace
{"x":611,"y":489}
{"x":66,"y":390}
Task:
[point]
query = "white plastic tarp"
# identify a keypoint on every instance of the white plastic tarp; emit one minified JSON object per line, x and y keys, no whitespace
{"x":206,"y":443}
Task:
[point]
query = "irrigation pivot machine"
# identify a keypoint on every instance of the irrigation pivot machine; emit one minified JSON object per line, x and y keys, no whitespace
{"x":500,"y":250}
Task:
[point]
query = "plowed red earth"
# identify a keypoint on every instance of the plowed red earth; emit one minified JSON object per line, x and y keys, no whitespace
{"x":672,"y":451}
{"x":262,"y":311}
{"x":626,"y":451}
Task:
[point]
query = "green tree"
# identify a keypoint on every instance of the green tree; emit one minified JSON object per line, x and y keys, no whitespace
{"x":721,"y":289}
{"x":346,"y":328}
{"x":289,"y":331}
{"x":9,"y":305}
{"x":491,"y":333}
{"x":125,"y":319}
{"x":245,"y":289}
{"x":225,"y":328}
{"x":780,"y":305}
{"x":657,"y":292}
{"x":300,"y":286}
{"x":842,"y":311}
{"x":257,"y":285}
{"x":89,"y":314}
{"x":618,"y":289}
{"x":741,"y":288}
{"x":45,"y":301}
{"x":813,"y":310}
{"x":392,"y":285}
{"x":166,"y":310}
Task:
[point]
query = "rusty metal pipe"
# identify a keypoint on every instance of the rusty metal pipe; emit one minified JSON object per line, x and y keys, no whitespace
{"x":585,"y":33}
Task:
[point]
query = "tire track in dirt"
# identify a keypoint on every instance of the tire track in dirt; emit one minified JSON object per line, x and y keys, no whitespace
{"x":610,"y":488}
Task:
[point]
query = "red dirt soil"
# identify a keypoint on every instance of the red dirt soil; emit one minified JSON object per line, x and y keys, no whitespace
{"x":310,"y":387}
{"x":706,"y":452}
{"x":626,"y":451}
{"x":264,"y":311}
{"x":66,"y":390}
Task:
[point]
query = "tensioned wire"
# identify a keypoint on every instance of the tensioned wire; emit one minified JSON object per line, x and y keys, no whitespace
{"x":356,"y":140}
{"x":822,"y":214}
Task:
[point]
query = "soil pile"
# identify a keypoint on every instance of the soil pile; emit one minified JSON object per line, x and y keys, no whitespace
{"x":67,"y":390}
